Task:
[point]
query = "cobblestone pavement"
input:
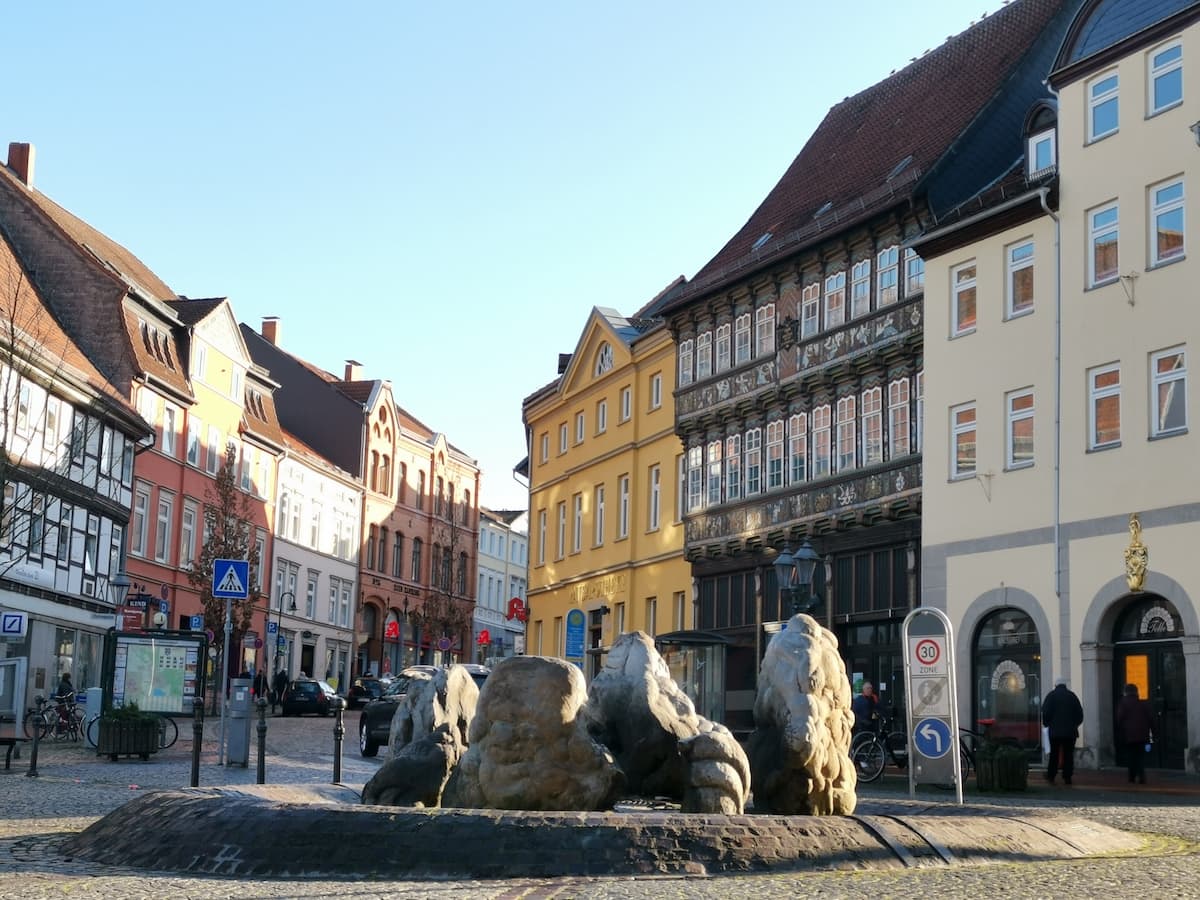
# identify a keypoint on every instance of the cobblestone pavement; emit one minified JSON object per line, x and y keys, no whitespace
{"x":74,"y":788}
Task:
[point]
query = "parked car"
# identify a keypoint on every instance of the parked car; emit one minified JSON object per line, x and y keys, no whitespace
{"x":365,"y":689}
{"x":375,"y":723}
{"x":307,"y":696}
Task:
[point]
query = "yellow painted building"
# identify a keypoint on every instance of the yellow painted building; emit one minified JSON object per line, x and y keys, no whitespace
{"x":605,"y":532}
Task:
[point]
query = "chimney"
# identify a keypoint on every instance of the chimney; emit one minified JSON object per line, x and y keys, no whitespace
{"x":353,"y":370}
{"x":564,"y":360}
{"x":20,"y":160}
{"x":270,"y":329}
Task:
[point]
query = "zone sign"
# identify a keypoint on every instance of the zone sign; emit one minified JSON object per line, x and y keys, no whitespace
{"x":928,"y":656}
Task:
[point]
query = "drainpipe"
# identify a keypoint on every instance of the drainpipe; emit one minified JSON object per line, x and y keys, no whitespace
{"x":1058,"y":588}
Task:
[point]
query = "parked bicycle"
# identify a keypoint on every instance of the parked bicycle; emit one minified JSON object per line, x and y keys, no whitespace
{"x":61,"y":721}
{"x":871,"y":750}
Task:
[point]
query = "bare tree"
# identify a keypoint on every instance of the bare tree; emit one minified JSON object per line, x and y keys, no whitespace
{"x":228,"y":534}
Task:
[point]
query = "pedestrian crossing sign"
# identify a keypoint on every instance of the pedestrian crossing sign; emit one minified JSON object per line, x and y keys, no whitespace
{"x":231,"y":579}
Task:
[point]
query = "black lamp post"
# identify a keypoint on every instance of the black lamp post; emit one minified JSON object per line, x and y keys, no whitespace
{"x":794,"y":572}
{"x":279,"y":627}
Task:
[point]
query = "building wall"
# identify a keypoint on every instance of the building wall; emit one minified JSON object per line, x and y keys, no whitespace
{"x":615,"y":575}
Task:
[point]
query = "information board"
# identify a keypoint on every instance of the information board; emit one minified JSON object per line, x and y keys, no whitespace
{"x":160,"y":673}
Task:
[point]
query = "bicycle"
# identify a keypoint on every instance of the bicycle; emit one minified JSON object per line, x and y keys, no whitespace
{"x":62,"y":721}
{"x":870,"y":751}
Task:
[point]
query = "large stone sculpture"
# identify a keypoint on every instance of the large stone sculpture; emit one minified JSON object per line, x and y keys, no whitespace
{"x":646,"y":721}
{"x":529,"y":744}
{"x":799,"y":751}
{"x":428,"y":739}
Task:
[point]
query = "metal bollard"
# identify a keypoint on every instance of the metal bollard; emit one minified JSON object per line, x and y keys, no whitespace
{"x":261,"y":703}
{"x":197,"y":738}
{"x":339,"y":735}
{"x":37,"y":733}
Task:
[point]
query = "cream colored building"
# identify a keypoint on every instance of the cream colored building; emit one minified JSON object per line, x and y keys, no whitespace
{"x":1057,"y":444}
{"x":606,"y":539}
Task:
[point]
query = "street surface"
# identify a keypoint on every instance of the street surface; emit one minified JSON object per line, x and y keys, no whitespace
{"x":74,"y":788}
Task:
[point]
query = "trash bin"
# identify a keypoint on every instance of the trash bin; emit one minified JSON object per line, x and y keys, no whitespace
{"x":93,"y":699}
{"x":241,"y":709}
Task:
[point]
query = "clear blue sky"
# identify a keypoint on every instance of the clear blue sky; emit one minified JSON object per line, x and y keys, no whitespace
{"x":440,"y":191}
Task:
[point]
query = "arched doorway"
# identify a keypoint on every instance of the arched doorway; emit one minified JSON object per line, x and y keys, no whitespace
{"x":1007,"y":679}
{"x":1148,"y":652}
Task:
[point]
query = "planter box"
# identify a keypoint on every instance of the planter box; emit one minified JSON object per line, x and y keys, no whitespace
{"x":1005,"y":769}
{"x":127,"y":739}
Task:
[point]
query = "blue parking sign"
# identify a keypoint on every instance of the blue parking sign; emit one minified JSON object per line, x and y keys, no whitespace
{"x":196,"y":623}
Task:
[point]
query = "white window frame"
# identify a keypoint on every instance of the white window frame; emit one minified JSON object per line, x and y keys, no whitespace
{"x":577,"y":522}
{"x":914,"y":274}
{"x":733,"y":467}
{"x":1101,"y":91}
{"x":189,"y":518}
{"x":561,"y":543}
{"x":835,"y":300}
{"x":541,"y":550}
{"x":623,"y":507}
{"x":164,"y":513}
{"x":139,"y":520}
{"x":1100,"y":393}
{"x":723,"y":347}
{"x":580,"y":427}
{"x":962,"y":423}
{"x":213,"y":457}
{"x":685,"y":362}
{"x":1163,"y":203}
{"x":1018,"y":257}
{"x":601,"y":416}
{"x":822,"y":441}
{"x":564,"y":433}
{"x":764,"y":330}
{"x":798,"y":448}
{"x":963,"y":282}
{"x":192,"y":451}
{"x":599,"y":515}
{"x":887,"y":275}
{"x":626,"y":403}
{"x":655,"y":504}
{"x":695,"y":476}
{"x":810,"y":310}
{"x":1170,"y":380}
{"x":1032,"y":145}
{"x":1098,"y":231}
{"x":741,"y":339}
{"x":1156,"y":71}
{"x":871,"y":423}
{"x":860,"y":289}
{"x":1019,"y":410}
{"x":170,"y":423}
{"x":920,"y":410}
{"x":846,"y":457}
{"x":775,"y":462}
{"x":715,"y":471}
{"x":704,"y":358}
{"x":753,"y":464}
{"x":656,"y":390}
{"x":899,"y":434}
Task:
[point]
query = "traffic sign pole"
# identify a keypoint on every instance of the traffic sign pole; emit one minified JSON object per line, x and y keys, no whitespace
{"x":231,"y":580}
{"x":932,"y":708}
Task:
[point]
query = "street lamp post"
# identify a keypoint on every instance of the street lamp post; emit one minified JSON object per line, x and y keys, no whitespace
{"x":794,"y":572}
{"x":279,"y":626}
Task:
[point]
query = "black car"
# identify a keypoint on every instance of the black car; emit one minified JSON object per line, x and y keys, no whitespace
{"x":364,"y":690}
{"x":308,"y":696}
{"x":375,"y":723}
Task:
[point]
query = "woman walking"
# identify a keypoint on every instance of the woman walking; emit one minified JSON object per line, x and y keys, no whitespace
{"x":1133,"y":730}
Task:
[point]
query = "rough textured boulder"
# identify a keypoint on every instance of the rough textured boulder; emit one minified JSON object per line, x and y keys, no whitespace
{"x":529,"y":744}
{"x":428,"y":738}
{"x":718,"y":773}
{"x":640,"y":714}
{"x":799,"y":751}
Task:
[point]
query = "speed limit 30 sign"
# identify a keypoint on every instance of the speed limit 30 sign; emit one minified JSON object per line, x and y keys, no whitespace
{"x":928,"y":655}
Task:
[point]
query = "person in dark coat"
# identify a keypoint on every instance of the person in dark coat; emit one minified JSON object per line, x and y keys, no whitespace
{"x":260,"y":684}
{"x":1062,"y":714}
{"x":279,"y":685}
{"x":1133,"y":730}
{"x":865,"y":707}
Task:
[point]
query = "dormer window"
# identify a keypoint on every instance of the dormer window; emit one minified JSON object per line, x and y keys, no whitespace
{"x":1041,"y":154}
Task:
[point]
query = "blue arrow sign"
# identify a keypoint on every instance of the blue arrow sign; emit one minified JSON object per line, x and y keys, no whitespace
{"x":931,"y":737}
{"x":231,"y":579}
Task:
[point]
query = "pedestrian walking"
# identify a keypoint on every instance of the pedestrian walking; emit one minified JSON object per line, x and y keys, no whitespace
{"x":1062,"y":714}
{"x":279,"y":686}
{"x":1134,"y":732}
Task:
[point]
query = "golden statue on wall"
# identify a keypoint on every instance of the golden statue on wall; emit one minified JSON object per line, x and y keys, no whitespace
{"x":1136,"y":555}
